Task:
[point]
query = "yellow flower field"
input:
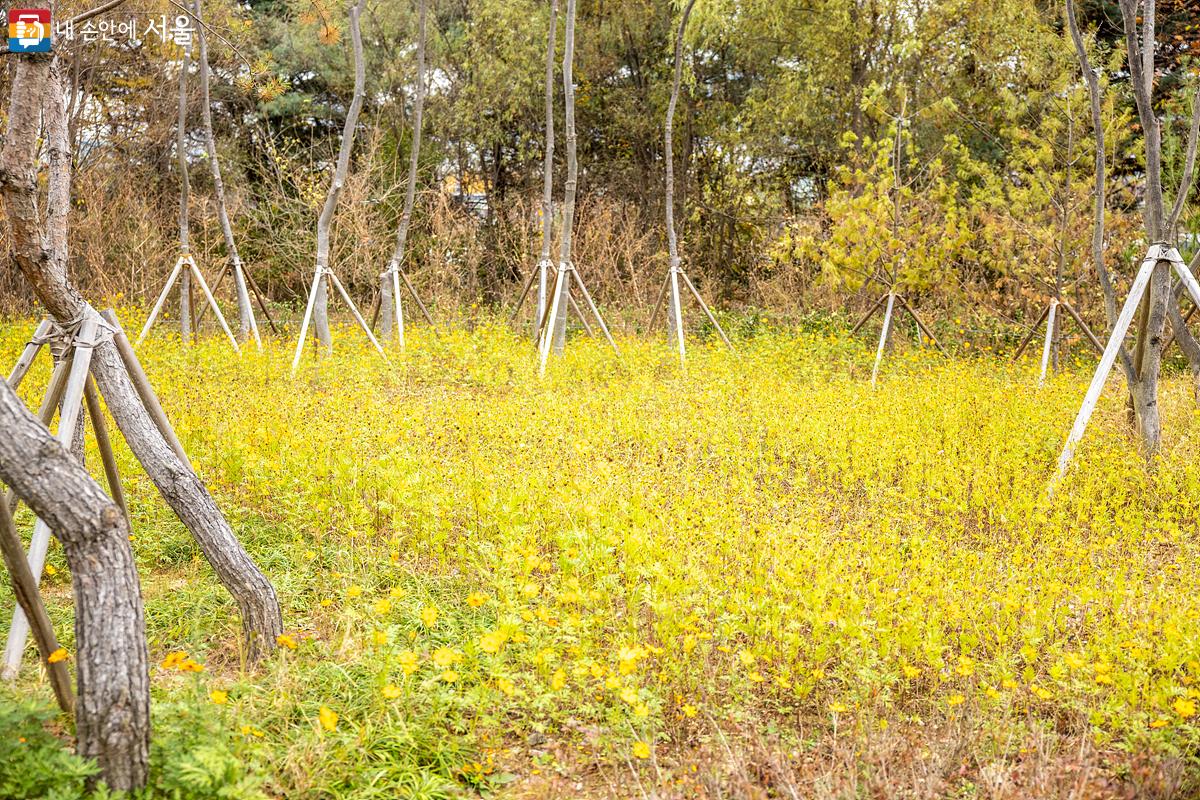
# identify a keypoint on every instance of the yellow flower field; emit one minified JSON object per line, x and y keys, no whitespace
{"x":758,"y":575}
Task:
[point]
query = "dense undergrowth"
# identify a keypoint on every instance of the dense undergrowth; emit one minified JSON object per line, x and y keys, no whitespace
{"x":624,"y":578}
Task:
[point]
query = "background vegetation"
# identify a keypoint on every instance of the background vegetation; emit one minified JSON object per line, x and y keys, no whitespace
{"x":786,"y":135}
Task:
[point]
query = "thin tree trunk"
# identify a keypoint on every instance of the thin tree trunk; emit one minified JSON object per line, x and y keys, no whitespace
{"x":245,"y":312}
{"x":547,"y":174}
{"x":185,"y":280}
{"x":674,"y":308}
{"x":325,"y":220}
{"x":560,"y":323}
{"x":390,"y":298}
{"x":46,"y":270}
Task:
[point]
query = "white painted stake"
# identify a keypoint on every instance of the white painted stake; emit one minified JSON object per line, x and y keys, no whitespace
{"x":72,"y":407}
{"x":1124,"y":320}
{"x":883,"y":336}
{"x":212,"y":302}
{"x":162,"y":298}
{"x":1049,"y":341}
{"x":548,"y":330}
{"x":308,"y":312}
{"x":397,"y":306}
{"x":354,"y":310}
{"x":21,"y":369}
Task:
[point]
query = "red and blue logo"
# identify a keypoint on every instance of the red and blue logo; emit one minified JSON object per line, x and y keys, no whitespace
{"x":29,"y":30}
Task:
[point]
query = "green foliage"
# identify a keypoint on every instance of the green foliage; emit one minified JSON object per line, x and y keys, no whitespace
{"x":35,"y":764}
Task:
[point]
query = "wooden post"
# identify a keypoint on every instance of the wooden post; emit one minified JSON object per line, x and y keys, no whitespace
{"x":883,"y":336}
{"x":39,"y":545}
{"x":1049,"y":343}
{"x":29,"y":600}
{"x":21,"y":368}
{"x":108,"y":459}
{"x":141,"y":385}
{"x":1115,"y":342}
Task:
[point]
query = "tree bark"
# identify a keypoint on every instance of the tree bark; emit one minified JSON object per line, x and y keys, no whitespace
{"x":674,"y":309}
{"x":45,"y":267}
{"x":325,"y":220}
{"x":547,"y":174}
{"x":560,"y":323}
{"x":185,"y":279}
{"x":245,"y":312}
{"x":112,"y":713}
{"x":391,"y":303}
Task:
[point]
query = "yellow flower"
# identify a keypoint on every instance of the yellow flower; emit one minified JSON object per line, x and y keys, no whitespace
{"x":629,"y":695}
{"x":558,"y":680}
{"x":250,"y":731}
{"x":492,"y":642}
{"x":838,"y":708}
{"x":395,"y":593}
{"x":50,"y":570}
{"x":1184,"y":707}
{"x":1074,"y":660}
{"x":641,"y":750}
{"x":1159,"y":723}
{"x":506,"y":686}
{"x":219,"y":697}
{"x":382,"y":607}
{"x":57,"y":656}
{"x":966,"y":666}
{"x":1041,"y":693}
{"x":353,"y":591}
{"x":429,"y":615}
{"x":641,"y":711}
{"x":689,"y":711}
{"x":530,"y":590}
{"x":911,"y":672}
{"x":408,"y":661}
{"x":476,"y":599}
{"x":380,"y":638}
{"x":449,"y":676}
{"x":310,"y":554}
{"x":326,"y":603}
{"x":286,"y":640}
{"x":328,"y":718}
{"x":391,"y":691}
{"x":955,"y":700}
{"x":445,"y":656}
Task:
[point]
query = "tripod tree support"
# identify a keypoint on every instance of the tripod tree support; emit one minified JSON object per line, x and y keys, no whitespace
{"x":1157,"y":253}
{"x":186,"y":265}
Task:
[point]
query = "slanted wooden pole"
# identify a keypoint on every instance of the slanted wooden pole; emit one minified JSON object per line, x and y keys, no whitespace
{"x":1115,"y":342}
{"x":39,"y":545}
{"x":883,"y":336}
{"x":34,"y":346}
{"x":1051,"y":316}
{"x":108,"y":459}
{"x":29,"y":601}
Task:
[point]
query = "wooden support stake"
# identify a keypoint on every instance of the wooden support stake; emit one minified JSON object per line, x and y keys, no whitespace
{"x":1115,"y":341}
{"x":587,"y":296}
{"x":921,"y":325}
{"x":1032,"y":332}
{"x":104,"y":444}
{"x":39,"y":544}
{"x":29,"y":600}
{"x":25,"y":362}
{"x":162,"y":298}
{"x":145,"y":391}
{"x":870,"y":313}
{"x":212,"y":301}
{"x":707,"y":311}
{"x":1083,"y":326}
{"x":1050,"y":319}
{"x":883,"y":336}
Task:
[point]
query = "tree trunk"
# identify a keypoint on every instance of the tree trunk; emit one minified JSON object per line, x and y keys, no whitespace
{"x":547,"y":174}
{"x":325,"y":220}
{"x":674,"y":308}
{"x":245,"y":312}
{"x":46,"y":270}
{"x":391,"y":304}
{"x":560,"y":322}
{"x":112,"y":713}
{"x":185,"y":279}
